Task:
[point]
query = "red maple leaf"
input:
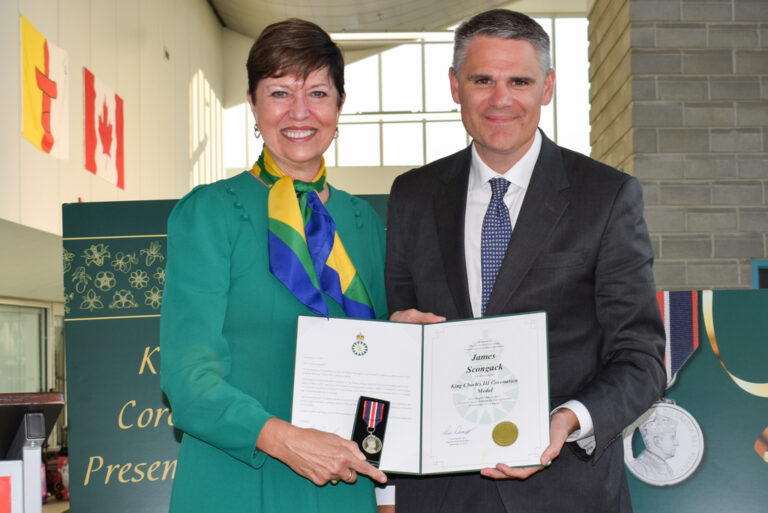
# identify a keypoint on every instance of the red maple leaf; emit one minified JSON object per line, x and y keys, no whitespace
{"x":105,"y":130}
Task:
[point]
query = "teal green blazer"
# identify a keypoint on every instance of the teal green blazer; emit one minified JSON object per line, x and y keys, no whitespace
{"x":227,"y":346}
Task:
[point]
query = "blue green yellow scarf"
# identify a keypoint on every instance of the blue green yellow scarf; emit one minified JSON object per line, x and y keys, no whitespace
{"x":305,"y":252}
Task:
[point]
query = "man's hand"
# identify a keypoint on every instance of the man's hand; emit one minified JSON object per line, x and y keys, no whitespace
{"x":413,"y":315}
{"x":562,"y":424}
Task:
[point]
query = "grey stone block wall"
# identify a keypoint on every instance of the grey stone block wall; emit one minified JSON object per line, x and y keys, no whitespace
{"x":698,"y":98}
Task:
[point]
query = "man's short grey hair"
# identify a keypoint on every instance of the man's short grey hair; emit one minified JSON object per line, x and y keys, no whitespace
{"x":504,"y":24}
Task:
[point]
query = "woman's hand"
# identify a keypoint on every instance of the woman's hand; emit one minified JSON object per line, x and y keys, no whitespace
{"x":413,"y":315}
{"x":319,"y":456}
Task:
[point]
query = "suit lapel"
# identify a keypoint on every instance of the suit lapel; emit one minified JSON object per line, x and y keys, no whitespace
{"x":542,"y":208}
{"x":450,"y":201}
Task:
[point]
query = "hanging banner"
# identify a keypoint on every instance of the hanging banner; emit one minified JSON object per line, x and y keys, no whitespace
{"x":104,"y":151}
{"x":44,"y":92}
{"x":122,"y":444}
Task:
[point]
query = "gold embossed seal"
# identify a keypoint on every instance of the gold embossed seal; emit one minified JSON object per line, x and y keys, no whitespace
{"x":505,"y":433}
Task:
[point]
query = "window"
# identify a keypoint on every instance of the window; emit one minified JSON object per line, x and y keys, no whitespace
{"x":23,"y":332}
{"x":571,"y":63}
{"x":401,"y":79}
{"x":358,"y":144}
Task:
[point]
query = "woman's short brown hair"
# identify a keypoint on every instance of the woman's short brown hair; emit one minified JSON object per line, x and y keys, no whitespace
{"x":294,"y":47}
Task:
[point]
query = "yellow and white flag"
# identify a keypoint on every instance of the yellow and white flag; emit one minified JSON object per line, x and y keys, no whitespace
{"x":44,"y":92}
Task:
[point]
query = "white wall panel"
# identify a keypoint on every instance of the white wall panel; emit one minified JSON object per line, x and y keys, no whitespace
{"x":103,"y":24}
{"x":183,"y":58}
{"x":128,"y":32}
{"x":154,"y":109}
{"x":10,"y":111}
{"x":39,"y":191}
{"x":75,"y":31}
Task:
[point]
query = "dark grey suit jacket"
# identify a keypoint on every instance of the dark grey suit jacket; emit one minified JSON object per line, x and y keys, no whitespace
{"x":580,"y":250}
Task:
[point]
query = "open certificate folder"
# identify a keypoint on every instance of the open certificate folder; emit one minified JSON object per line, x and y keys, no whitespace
{"x":463,"y":395}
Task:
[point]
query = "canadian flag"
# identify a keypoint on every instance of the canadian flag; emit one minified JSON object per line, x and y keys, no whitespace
{"x":103,"y":131}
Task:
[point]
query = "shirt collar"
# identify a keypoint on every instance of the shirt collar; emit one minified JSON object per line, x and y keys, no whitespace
{"x":519,"y":174}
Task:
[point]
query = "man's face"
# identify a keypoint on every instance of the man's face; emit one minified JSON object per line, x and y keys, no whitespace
{"x":501,"y":88}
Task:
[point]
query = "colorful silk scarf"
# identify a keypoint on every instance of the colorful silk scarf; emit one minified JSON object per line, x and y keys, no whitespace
{"x":305,"y":252}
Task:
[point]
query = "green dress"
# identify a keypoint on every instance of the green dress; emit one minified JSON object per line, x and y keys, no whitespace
{"x":227,"y":339}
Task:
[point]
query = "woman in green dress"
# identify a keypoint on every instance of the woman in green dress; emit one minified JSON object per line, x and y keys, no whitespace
{"x":246,"y":256}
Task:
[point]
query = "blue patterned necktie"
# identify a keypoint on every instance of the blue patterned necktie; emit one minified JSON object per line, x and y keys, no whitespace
{"x":497,"y":229}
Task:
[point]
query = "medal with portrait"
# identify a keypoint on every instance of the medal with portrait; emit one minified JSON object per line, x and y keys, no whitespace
{"x":673,"y":445}
{"x":370,"y":426}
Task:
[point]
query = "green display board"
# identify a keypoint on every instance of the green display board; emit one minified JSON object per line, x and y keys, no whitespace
{"x":122,"y":445}
{"x":732,"y":475}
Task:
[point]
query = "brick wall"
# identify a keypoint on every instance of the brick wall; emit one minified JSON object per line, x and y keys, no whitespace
{"x":679,"y":98}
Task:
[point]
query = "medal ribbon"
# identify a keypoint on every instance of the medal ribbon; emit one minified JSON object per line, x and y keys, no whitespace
{"x":373,"y":413}
{"x":680,"y":314}
{"x":305,"y":252}
{"x":758,"y":389}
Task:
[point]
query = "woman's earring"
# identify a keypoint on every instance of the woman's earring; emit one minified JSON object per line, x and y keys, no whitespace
{"x":336,"y":135}
{"x":257,"y":132}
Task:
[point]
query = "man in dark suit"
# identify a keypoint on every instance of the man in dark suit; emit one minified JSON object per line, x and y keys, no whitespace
{"x":572,"y":242}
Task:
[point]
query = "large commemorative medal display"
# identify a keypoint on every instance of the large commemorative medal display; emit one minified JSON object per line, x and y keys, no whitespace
{"x":674,"y":445}
{"x":673,"y":440}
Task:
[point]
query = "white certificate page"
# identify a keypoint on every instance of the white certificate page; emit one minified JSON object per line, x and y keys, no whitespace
{"x":338,"y":360}
{"x":485,"y":393}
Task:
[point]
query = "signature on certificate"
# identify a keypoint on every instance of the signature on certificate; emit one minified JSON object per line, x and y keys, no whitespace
{"x":458,"y":429}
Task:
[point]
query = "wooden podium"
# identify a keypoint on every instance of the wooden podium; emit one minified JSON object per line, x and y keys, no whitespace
{"x":26,"y":420}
